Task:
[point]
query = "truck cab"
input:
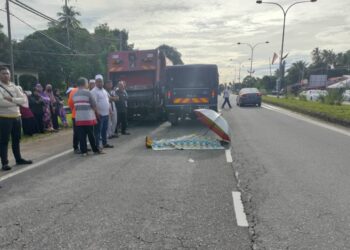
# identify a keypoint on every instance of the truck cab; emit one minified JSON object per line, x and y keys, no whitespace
{"x":189,"y":87}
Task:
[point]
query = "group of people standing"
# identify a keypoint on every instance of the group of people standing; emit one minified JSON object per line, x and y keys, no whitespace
{"x":98,"y":111}
{"x":45,"y":107}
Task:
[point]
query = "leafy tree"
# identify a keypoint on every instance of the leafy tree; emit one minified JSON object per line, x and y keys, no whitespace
{"x":172,"y":54}
{"x":296,"y":72}
{"x":4,"y":55}
{"x":67,"y":18}
{"x":249,"y":82}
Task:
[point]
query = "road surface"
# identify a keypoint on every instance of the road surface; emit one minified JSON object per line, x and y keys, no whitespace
{"x":292,"y":172}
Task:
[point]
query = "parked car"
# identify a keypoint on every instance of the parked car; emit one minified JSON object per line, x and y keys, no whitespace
{"x":248,"y":96}
{"x":313,"y":94}
{"x":346,"y":95}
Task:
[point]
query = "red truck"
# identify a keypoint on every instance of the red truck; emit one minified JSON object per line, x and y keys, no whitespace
{"x":144,"y":74}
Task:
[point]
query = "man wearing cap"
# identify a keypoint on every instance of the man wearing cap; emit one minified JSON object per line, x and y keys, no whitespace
{"x":103,"y":108}
{"x":92,"y":84}
{"x":10,"y":119}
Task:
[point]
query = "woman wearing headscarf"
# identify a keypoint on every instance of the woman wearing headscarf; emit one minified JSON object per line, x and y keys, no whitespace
{"x":53,"y":106}
{"x":60,"y":107}
{"x":28,"y":121}
{"x":47,"y":110}
{"x":36,"y":105}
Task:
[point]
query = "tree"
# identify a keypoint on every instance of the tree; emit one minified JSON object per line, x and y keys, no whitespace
{"x":249,"y":82}
{"x":296,"y":72}
{"x":4,"y":55}
{"x":67,"y":18}
{"x":172,"y":54}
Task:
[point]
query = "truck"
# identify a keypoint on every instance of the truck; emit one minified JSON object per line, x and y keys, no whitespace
{"x":144,"y":74}
{"x":189,"y":87}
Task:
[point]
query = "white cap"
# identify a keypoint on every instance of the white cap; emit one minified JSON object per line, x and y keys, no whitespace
{"x":92,"y":81}
{"x":99,"y":77}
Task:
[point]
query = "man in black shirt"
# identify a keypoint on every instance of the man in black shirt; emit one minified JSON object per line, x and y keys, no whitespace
{"x":122,"y":105}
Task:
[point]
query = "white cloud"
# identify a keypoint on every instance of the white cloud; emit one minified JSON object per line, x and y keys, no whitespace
{"x":207,"y":31}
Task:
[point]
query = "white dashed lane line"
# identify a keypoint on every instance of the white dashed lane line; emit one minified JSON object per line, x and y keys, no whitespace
{"x":228,"y":156}
{"x":241,"y":217}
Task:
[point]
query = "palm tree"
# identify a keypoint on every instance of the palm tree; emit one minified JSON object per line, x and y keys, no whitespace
{"x":296,"y":72}
{"x":68,"y":18}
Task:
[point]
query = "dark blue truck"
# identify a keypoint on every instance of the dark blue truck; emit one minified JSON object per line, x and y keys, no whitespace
{"x":189,"y":87}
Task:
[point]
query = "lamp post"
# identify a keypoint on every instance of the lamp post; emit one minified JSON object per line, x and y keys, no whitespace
{"x":285,"y":11}
{"x":252,"y":47}
{"x":239,"y":69}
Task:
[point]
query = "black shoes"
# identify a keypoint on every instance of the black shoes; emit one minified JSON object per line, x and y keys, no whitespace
{"x":6,"y":168}
{"x":24,"y":162}
{"x":108,"y":146}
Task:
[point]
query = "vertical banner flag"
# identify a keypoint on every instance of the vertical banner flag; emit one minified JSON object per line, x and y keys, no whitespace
{"x":274,"y":58}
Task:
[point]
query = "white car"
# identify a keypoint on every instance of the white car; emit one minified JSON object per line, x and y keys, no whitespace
{"x":346,"y":95}
{"x":314,"y":94}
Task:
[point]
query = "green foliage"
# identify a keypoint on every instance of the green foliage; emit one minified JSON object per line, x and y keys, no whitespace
{"x":4,"y":54}
{"x":332,"y":113}
{"x":296,"y":73}
{"x":334,"y":97}
{"x":171,"y":53}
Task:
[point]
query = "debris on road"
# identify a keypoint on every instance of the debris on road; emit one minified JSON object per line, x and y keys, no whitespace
{"x":195,"y":142}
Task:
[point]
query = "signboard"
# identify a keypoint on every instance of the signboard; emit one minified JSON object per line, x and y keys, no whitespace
{"x":317,"y":81}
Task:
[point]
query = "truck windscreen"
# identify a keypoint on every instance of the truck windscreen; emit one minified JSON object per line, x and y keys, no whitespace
{"x":190,"y":77}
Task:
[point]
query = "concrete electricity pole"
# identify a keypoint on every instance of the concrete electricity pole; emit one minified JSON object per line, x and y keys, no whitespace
{"x":10,"y":41}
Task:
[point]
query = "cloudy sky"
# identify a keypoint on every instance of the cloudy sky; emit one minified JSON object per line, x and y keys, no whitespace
{"x":208,"y":31}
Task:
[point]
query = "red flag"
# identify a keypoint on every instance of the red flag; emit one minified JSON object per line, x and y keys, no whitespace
{"x":274,"y":58}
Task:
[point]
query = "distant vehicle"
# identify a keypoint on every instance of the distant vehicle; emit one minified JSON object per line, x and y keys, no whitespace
{"x":189,"y":87}
{"x":144,"y":74}
{"x":314,"y":94}
{"x":274,"y":92}
{"x":248,"y":96}
{"x":346,"y":95}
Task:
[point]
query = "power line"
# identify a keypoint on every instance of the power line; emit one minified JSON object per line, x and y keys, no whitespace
{"x":52,"y":39}
{"x":54,"y":53}
{"x":34,"y":11}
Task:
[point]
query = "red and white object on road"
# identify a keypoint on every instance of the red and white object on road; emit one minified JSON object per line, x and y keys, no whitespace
{"x":215,"y":122}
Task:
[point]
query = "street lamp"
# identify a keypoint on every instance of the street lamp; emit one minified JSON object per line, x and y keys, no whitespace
{"x":285,"y":11}
{"x":252,"y":47}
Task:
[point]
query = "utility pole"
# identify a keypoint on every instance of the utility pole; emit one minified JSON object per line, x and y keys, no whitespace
{"x":67,"y":27}
{"x":10,"y":40}
{"x":120,"y":41}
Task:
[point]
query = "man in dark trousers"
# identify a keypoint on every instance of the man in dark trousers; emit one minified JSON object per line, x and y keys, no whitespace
{"x":226,"y":97}
{"x":122,"y":105}
{"x":10,"y":119}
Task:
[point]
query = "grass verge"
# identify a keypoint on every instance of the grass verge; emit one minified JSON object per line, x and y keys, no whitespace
{"x":331,"y":113}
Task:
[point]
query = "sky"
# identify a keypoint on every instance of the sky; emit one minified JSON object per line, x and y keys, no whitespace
{"x":208,"y":31}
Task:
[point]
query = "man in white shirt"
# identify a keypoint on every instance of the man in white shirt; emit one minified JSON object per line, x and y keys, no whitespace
{"x":103,"y":108}
{"x":10,"y":119}
{"x":226,"y":97}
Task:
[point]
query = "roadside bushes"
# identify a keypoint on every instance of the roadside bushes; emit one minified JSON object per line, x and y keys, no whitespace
{"x":331,"y":113}
{"x":334,"y":97}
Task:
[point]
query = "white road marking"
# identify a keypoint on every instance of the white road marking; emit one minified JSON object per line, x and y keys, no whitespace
{"x":35,"y":165}
{"x":228,"y":155}
{"x":241,"y":217}
{"x":306,"y":119}
{"x":190,"y":160}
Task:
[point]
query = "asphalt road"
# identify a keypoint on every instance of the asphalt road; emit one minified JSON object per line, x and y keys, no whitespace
{"x":130,"y":198}
{"x":293,"y":174}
